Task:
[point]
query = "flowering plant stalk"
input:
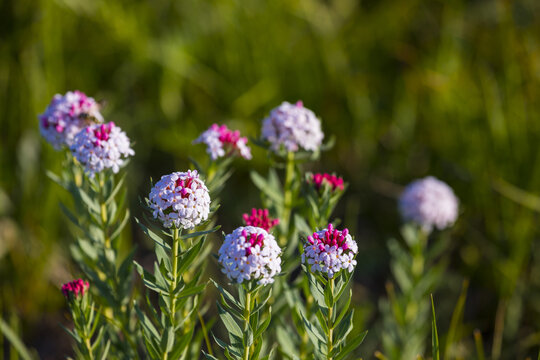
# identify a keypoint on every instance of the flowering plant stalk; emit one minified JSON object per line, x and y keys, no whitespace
{"x":425,"y":204}
{"x":97,"y":152}
{"x":329,"y":261}
{"x":180,"y":201}
{"x":250,"y":256}
{"x":89,"y":333}
{"x":100,"y":220}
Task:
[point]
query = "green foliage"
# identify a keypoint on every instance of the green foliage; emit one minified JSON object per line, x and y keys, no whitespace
{"x":246,"y":319}
{"x":89,"y":333}
{"x":329,"y":333}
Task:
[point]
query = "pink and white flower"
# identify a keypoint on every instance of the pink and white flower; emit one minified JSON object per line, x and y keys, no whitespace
{"x":429,"y":202}
{"x":180,"y":199}
{"x":250,"y":253}
{"x":260,"y":218}
{"x":221,"y":141}
{"x":101,"y":147}
{"x":292,"y":127}
{"x":329,"y":251}
{"x":66,"y":115}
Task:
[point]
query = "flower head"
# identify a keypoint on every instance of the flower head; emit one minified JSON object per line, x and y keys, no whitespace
{"x":66,"y":115}
{"x":330,"y":251}
{"x":260,"y":218}
{"x":221,"y":141}
{"x":100,"y":147}
{"x":180,"y":199}
{"x":294,"y":127}
{"x":332,"y":180}
{"x":429,"y":203}
{"x":250,"y":253}
{"x":75,"y":288}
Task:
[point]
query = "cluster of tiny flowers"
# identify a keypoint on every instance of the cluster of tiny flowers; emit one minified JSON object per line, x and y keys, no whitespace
{"x":260,"y":218}
{"x":67,"y":115}
{"x":75,"y":288}
{"x":330,"y":251}
{"x":293,"y":127}
{"x":100,"y":147}
{"x":319,"y":179}
{"x":429,"y":203}
{"x":250,"y":253}
{"x":221,"y":141}
{"x":180,"y":199}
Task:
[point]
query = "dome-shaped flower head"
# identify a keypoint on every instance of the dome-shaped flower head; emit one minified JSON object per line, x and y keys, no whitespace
{"x":250,"y":253}
{"x":221,"y":141}
{"x":429,"y":203}
{"x":66,"y":115}
{"x":180,"y":199}
{"x":75,"y":289}
{"x":294,"y":127}
{"x":318,"y":180}
{"x":260,"y":218}
{"x":101,"y":146}
{"x":330,"y":251}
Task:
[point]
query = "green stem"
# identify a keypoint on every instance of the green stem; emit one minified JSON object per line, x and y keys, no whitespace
{"x":88,"y":347}
{"x":247,"y":314}
{"x":103,"y":208}
{"x":330,"y":322}
{"x":174,"y":281}
{"x":205,"y":334}
{"x":287,"y":198}
{"x":498,"y":330}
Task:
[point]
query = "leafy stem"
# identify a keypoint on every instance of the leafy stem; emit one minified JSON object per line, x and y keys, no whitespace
{"x":287,"y":197}
{"x":247,"y":314}
{"x":330,"y":321}
{"x":172,"y":287}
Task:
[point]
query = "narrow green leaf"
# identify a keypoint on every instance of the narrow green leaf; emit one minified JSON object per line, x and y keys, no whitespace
{"x":15,"y":340}
{"x":157,"y":239}
{"x":434,"y":335}
{"x":350,"y":346}
{"x":229,"y":322}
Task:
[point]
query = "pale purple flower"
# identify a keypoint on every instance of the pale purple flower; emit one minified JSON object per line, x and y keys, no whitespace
{"x":329,"y":251}
{"x":292,"y":127}
{"x":101,"y":147}
{"x":180,"y":199}
{"x":66,"y":115}
{"x":250,"y":253}
{"x":429,"y":203}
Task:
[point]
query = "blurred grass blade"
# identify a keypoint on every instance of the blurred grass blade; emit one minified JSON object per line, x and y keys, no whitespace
{"x":517,"y":195}
{"x":15,"y":340}
{"x":480,"y":345}
{"x":457,"y":317}
{"x":434,"y":335}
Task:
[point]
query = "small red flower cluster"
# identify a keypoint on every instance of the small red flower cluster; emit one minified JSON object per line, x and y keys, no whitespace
{"x":334,"y":181}
{"x":75,"y":288}
{"x":260,"y":218}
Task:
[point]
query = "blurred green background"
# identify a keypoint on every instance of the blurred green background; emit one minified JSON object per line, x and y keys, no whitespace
{"x":409,"y":88}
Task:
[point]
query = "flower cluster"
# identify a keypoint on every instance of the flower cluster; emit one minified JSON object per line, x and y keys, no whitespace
{"x":221,"y":141}
{"x":260,"y":218}
{"x":319,"y":179}
{"x":180,"y":199}
{"x":330,"y":251}
{"x":66,"y":115}
{"x":250,"y":253}
{"x":429,"y":203}
{"x":75,"y":288}
{"x":293,"y":127}
{"x":100,"y":147}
